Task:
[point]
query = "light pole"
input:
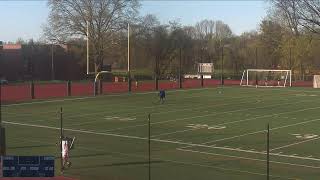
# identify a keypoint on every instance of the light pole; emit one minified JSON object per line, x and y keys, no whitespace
{"x":52,"y":64}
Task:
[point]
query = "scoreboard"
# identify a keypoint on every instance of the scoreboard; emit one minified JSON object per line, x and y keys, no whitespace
{"x":27,"y":166}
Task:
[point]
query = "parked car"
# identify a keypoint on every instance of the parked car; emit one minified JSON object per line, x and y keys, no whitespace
{"x":4,"y":82}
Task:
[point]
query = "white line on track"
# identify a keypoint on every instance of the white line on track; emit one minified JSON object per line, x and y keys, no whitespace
{"x":158,"y":140}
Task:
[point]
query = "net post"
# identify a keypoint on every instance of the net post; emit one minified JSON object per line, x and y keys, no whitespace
{"x":69,"y":87}
{"x":242,"y":77}
{"x":129,"y":82}
{"x":247,"y":77}
{"x":32,"y":89}
{"x":290,"y":78}
{"x":201,"y":80}
{"x":268,"y":152}
{"x":100,"y":87}
{"x":156,"y":82}
{"x":2,"y":129}
{"x":149,"y":144}
{"x":61,"y":136}
{"x":94,"y":88}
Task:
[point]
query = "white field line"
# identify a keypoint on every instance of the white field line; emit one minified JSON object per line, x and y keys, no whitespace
{"x":166,"y":160}
{"x":183,"y":108}
{"x":108,"y":95}
{"x":249,"y":119}
{"x":293,"y":144}
{"x":146,"y":107}
{"x":115,"y":95}
{"x":257,"y":132}
{"x":158,"y":140}
{"x":251,"y":159}
{"x":221,"y":124}
{"x":210,"y":114}
{"x":277,"y":89}
{"x":97,"y":113}
{"x":163,"y":112}
{"x":89,"y":114}
{"x":82,"y":98}
{"x":173,"y":104}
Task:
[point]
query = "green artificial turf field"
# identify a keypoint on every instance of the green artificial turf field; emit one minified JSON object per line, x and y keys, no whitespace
{"x":215,"y":133}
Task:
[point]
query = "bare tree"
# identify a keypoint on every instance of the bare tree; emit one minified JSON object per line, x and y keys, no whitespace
{"x":69,"y":19}
{"x":305,"y":13}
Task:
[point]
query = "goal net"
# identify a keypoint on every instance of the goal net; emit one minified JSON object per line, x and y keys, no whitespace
{"x":266,"y":78}
{"x":316,"y":81}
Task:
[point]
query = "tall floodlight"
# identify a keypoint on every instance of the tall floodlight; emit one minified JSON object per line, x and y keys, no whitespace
{"x":87,"y":47}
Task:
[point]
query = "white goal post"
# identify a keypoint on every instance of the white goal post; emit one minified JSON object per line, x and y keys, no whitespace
{"x":316,"y":81}
{"x":266,"y":78}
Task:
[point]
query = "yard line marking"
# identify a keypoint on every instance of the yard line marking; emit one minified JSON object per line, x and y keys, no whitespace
{"x":163,"y":112}
{"x":252,"y":159}
{"x":233,"y":122}
{"x":256,"y":132}
{"x":158,"y":135}
{"x":212,"y":114}
{"x":156,"y":140}
{"x":289,"y":145}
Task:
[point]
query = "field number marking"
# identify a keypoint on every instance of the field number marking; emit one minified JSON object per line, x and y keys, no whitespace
{"x":205,"y":126}
{"x":119,"y":118}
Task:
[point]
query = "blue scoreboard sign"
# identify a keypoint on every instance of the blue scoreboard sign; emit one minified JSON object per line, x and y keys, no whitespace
{"x":28,"y":166}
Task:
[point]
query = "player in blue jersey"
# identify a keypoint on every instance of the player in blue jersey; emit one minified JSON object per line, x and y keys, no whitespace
{"x":162,"y":95}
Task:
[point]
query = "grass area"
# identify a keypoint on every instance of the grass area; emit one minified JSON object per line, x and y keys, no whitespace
{"x":215,"y":133}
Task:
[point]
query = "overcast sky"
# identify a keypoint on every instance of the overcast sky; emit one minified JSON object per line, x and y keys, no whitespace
{"x":24,"y":19}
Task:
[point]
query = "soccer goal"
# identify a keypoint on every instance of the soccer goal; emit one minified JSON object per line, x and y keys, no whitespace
{"x":266,"y":78}
{"x":316,"y":81}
